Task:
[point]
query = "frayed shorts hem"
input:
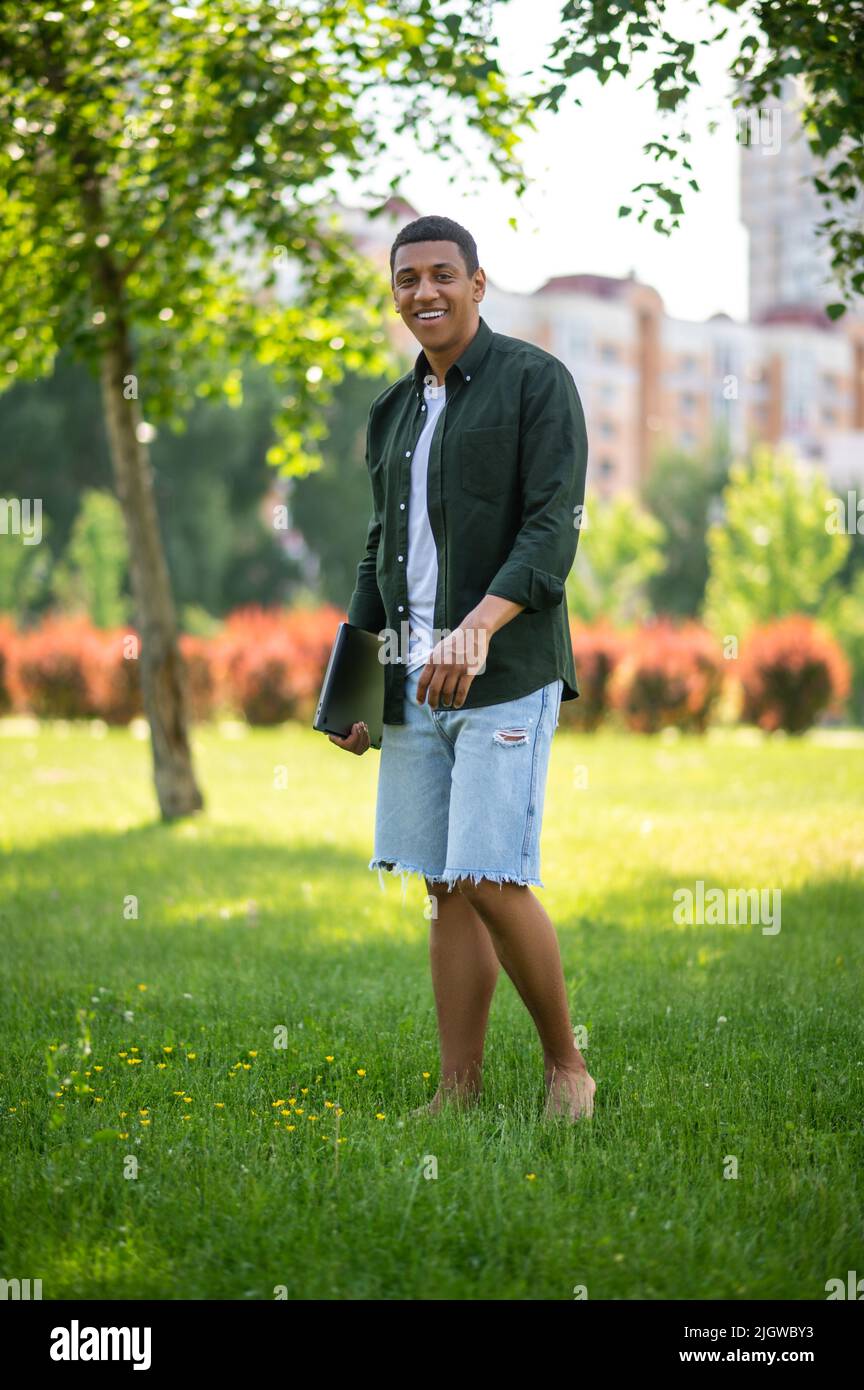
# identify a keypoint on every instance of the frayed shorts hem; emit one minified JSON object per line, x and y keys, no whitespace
{"x":451,"y":875}
{"x":448,"y":876}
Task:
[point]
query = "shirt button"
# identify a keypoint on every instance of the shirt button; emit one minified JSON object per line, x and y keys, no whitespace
{"x":401,"y":609}
{"x":401,"y":506}
{"x":407,"y":453}
{"x":422,"y":407}
{"x":401,"y":557}
{"x":467,"y":378}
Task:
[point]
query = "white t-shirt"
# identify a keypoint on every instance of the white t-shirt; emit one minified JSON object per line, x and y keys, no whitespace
{"x":422,"y":565}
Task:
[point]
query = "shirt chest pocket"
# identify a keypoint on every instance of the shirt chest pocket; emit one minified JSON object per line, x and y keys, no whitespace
{"x":488,"y":460}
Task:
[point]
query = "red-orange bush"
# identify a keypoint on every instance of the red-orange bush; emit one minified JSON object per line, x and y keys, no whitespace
{"x":58,"y":667}
{"x":7,"y":658}
{"x":117,"y":696}
{"x":201,"y":667}
{"x":597,"y":649}
{"x":667,"y":676}
{"x":272,"y":661}
{"x":790,"y":672}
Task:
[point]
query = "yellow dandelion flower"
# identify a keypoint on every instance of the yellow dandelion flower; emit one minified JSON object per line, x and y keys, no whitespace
{"x":531,"y":1176}
{"x":329,"y":1104}
{"x":98,"y":1068}
{"x":425,"y":1075}
{"x":134,"y":1049}
{"x":52,"y":1047}
{"x":328,"y":1059}
{"x":142,"y":986}
{"x":135,"y":1061}
{"x":339,"y":1110}
{"x":188,"y":1100}
{"x":379,"y":1116}
{"x":220,"y":1104}
{"x":191,"y":1056}
{"x":122,"y":1054}
{"x":290,"y":1127}
{"x":143,"y":1112}
{"x":123,"y":1114}
{"x":98,"y":1100}
{"x":12,"y":1109}
{"x":124,"y":1135}
{"x":177,"y":1093}
{"x":298,"y":1111}
{"x":312,"y":1117}
{"x":247,"y":1066}
{"x":342,"y":1140}
{"x":304,"y":1090}
{"x":251,"y":1054}
{"x":185,"y":1117}
{"x":277,"y":1103}
{"x":144,"y":1122}
{"x":160,"y":1066}
{"x":361,"y":1071}
{"x":168,"y":1049}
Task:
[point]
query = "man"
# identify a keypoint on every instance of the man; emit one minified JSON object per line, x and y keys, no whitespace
{"x":477,"y":462}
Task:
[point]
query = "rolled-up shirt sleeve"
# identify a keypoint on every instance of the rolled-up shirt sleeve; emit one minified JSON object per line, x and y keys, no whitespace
{"x":553,"y":454}
{"x":366,"y":606}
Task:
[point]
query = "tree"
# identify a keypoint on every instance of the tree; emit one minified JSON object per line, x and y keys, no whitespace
{"x":795,"y":37}
{"x":155,"y":159}
{"x":773,"y":554}
{"x":25,"y":564}
{"x":680,"y":491}
{"x":91,"y":575}
{"x":619,"y":552}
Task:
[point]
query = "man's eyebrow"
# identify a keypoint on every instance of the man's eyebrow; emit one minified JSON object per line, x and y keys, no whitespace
{"x":439,"y":265}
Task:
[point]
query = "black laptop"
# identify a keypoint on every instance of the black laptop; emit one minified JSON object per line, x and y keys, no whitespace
{"x":353,"y":686}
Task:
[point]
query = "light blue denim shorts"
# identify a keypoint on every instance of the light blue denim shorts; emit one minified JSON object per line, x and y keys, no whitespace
{"x":461,"y":791}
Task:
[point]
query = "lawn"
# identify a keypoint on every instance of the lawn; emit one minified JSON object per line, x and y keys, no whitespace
{"x":212,"y":1032}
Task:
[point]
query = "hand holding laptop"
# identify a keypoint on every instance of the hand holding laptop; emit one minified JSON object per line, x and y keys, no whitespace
{"x":356,"y":742}
{"x":351,"y":705}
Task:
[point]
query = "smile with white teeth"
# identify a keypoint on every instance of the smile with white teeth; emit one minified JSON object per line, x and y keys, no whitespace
{"x":432,"y":313}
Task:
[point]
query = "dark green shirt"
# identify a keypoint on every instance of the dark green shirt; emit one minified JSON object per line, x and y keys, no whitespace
{"x":505,"y":490}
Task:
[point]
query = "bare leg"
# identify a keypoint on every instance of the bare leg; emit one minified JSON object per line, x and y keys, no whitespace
{"x":527,"y":946}
{"x":465,"y":971}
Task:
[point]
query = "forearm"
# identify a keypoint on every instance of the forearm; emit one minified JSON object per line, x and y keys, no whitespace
{"x":491,"y":614}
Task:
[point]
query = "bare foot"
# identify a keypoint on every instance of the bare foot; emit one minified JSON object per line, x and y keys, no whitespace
{"x":461,"y":1099}
{"x":570,"y":1092}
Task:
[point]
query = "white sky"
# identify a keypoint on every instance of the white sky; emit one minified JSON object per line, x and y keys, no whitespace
{"x":582,"y":164}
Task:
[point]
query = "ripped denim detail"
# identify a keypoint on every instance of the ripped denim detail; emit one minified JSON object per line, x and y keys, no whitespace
{"x":510,"y":738}
{"x":405,"y":870}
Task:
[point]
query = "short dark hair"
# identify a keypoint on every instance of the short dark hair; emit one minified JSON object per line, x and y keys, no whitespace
{"x":437,"y":229}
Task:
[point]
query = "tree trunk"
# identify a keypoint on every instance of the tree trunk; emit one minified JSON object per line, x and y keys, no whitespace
{"x":162,"y":677}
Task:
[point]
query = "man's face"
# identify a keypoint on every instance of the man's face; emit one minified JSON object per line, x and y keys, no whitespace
{"x":430,"y":277}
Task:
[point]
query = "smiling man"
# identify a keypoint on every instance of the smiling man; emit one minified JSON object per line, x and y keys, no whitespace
{"x":477,"y":461}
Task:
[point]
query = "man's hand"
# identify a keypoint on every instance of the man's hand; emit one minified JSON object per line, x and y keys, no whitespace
{"x":452,"y":666}
{"x":461,"y":655}
{"x":355,"y":742}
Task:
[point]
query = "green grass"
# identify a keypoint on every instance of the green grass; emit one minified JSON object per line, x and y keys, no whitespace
{"x":229,"y":1203}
